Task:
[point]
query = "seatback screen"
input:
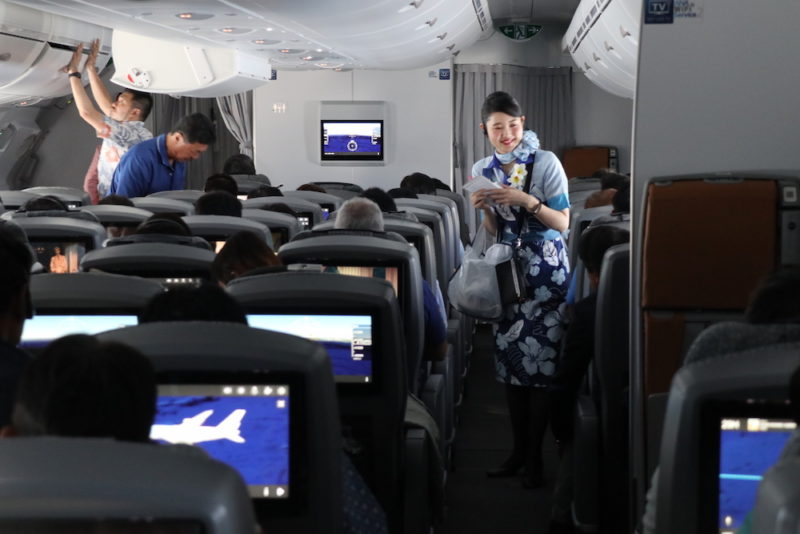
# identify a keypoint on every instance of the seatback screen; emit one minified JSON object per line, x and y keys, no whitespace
{"x":40,"y":330}
{"x":246,"y":426}
{"x":59,"y":256}
{"x":347,"y":338}
{"x":390,"y":274}
{"x":748,"y":446}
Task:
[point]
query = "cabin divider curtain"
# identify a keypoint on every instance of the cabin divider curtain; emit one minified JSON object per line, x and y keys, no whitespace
{"x":237,"y":112}
{"x":544,"y":93}
{"x":168,"y":111}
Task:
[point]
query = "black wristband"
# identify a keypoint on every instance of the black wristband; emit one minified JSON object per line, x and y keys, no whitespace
{"x":74,"y":74}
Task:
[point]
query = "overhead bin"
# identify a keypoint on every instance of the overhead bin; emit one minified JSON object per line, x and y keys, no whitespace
{"x":165,"y":66}
{"x":34,"y":45}
{"x":603,"y":40}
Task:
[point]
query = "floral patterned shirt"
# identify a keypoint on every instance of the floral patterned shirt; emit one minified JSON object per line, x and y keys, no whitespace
{"x":117,"y":139}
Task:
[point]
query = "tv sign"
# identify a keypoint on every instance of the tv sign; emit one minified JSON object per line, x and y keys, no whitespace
{"x":658,"y":12}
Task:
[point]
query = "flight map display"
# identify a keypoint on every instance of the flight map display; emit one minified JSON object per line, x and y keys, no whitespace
{"x":347,"y":338}
{"x":40,"y":330}
{"x":244,"y":426}
{"x":352,"y":140}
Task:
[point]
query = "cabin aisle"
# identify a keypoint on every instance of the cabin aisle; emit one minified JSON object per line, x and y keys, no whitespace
{"x":476,"y":503}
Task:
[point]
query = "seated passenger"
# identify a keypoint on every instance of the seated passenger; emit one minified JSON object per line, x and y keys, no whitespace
{"x":381,"y":198}
{"x":81,"y":387}
{"x":577,"y":352}
{"x":265,"y":191}
{"x":774,"y":302}
{"x":610,"y":183}
{"x":117,"y":200}
{"x":401,"y":192}
{"x":363,"y":214}
{"x":45,"y":203}
{"x":207,"y":302}
{"x":164,"y":223}
{"x":218,"y":202}
{"x":311,"y":187}
{"x":420,"y":183}
{"x":221,"y":182}
{"x":16,"y":260}
{"x":239,"y":164}
{"x":280,"y":207}
{"x":244,"y":253}
{"x":438,"y":184}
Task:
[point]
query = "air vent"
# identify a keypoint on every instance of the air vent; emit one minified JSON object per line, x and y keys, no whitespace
{"x":483,"y":20}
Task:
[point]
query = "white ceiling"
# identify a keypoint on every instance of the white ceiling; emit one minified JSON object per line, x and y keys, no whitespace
{"x":309,"y":34}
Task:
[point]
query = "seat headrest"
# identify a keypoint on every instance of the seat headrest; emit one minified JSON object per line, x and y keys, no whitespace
{"x":85,"y":215}
{"x":727,"y":337}
{"x":394,"y":236}
{"x":187,"y":240}
{"x":404,"y":215}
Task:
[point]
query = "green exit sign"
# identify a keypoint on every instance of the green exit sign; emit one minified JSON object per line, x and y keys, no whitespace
{"x":520,"y":32}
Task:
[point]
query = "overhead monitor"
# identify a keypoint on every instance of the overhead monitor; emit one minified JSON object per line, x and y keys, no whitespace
{"x":744,"y":440}
{"x":41,"y":329}
{"x":347,"y":338}
{"x":351,"y":140}
{"x":250,"y":421}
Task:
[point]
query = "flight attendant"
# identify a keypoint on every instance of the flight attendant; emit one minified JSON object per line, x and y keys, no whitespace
{"x":528,"y":336}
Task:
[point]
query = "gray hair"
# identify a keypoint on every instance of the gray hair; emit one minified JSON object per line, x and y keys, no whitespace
{"x":359,"y":214}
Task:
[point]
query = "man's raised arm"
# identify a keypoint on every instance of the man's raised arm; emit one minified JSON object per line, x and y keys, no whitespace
{"x":101,"y":95}
{"x":82,"y":100}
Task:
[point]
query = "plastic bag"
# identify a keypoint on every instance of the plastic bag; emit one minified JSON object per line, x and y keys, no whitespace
{"x":473,"y":288}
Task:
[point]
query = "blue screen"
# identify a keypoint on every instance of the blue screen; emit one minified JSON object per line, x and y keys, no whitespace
{"x":748,"y":447}
{"x":244,"y":426}
{"x":347,"y":338}
{"x":352,"y":140}
{"x":42,"y":329}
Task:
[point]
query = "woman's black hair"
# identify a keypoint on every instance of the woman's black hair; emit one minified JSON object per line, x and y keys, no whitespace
{"x":500,"y":102}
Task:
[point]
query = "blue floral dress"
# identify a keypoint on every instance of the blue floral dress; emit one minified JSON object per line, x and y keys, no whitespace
{"x":528,"y":337}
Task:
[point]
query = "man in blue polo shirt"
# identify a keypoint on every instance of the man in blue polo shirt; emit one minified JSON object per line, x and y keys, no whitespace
{"x":159,"y":164}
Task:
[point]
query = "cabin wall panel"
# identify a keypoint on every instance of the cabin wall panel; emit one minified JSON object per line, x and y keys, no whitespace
{"x":418,"y":125}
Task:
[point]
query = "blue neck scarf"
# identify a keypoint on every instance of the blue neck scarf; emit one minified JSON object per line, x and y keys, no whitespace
{"x":523,"y":151}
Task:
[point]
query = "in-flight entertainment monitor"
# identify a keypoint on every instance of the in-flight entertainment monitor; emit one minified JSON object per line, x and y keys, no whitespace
{"x":306,"y":220}
{"x":351,"y":140}
{"x":59,"y":256}
{"x":746,"y":440}
{"x":347,"y":338}
{"x":388,"y":273}
{"x":40,"y":330}
{"x":251,"y":424}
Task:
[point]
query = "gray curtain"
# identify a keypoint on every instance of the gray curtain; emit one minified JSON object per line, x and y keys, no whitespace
{"x":237,"y":112}
{"x":168,"y":111}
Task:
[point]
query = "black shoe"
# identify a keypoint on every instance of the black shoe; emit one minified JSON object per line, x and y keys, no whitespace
{"x":509,"y":468}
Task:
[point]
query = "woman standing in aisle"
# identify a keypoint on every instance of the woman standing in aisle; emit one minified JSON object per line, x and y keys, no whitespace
{"x":528,"y":336}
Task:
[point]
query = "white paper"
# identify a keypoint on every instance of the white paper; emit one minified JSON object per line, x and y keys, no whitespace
{"x":478,"y":183}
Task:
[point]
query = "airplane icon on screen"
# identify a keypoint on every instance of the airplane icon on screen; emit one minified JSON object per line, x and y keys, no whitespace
{"x":191,"y":430}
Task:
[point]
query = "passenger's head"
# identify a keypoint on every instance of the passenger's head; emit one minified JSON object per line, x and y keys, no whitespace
{"x":218,"y":203}
{"x":359,"y":214}
{"x":164,"y":223}
{"x":15,"y":271}
{"x":401,"y":192}
{"x":190,"y":137}
{"x":239,"y":164}
{"x":116,"y":200}
{"x":279,"y":207}
{"x":207,"y":302}
{"x":311,"y":187}
{"x":265,"y":191}
{"x":502,"y":121}
{"x":622,"y":199}
{"x":438,"y":184}
{"x":381,"y":198}
{"x":593,"y":245}
{"x":45,"y":203}
{"x":243,"y":252}
{"x":82,"y":387}
{"x":776,"y":299}
{"x":221,"y":182}
{"x":614,"y":180}
{"x":420,"y":183}
{"x":131,"y":105}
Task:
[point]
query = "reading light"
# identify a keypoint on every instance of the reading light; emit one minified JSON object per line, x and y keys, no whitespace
{"x":194,"y":16}
{"x":227,"y":30}
{"x":270,"y":29}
